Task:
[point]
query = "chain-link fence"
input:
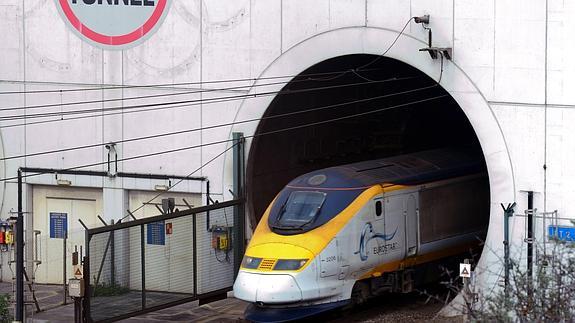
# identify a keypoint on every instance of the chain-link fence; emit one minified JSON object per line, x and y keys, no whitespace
{"x":157,"y":262}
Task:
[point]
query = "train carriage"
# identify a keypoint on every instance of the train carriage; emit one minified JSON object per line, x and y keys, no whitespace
{"x":342,"y":234}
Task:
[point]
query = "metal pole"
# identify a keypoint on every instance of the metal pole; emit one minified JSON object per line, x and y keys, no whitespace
{"x":143,"y":259}
{"x":238,"y":187}
{"x":112,"y":258}
{"x":467,"y":293}
{"x":85,"y":311}
{"x":530,"y":242}
{"x":208,"y":203}
{"x":507,"y":213}
{"x":195,"y":250}
{"x":19,"y":311}
{"x":64,"y":302}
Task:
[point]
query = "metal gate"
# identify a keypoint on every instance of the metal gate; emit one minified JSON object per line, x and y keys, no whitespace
{"x":149,"y":264}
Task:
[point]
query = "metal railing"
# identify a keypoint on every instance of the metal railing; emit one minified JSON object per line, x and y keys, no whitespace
{"x":153,"y":263}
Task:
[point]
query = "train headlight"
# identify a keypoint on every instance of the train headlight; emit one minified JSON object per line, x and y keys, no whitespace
{"x":289,"y":264}
{"x":251,"y":262}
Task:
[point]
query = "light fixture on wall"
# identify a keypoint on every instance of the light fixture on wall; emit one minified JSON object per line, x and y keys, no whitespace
{"x":161,"y":187}
{"x":64,"y":182}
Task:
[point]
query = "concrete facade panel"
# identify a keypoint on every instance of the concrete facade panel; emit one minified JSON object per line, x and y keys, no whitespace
{"x":226,"y":38}
{"x":172,"y":54}
{"x":346,"y":13}
{"x":528,"y":162}
{"x":265,"y":34}
{"x":520,"y":51}
{"x":392,"y":14}
{"x":53,"y":53}
{"x":302,"y":19}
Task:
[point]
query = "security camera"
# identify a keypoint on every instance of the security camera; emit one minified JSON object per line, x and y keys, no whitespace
{"x":421,"y":19}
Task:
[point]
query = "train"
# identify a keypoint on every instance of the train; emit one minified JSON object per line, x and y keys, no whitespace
{"x":337,"y":236}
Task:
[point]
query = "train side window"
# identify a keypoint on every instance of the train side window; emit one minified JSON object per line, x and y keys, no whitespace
{"x":378,"y":208}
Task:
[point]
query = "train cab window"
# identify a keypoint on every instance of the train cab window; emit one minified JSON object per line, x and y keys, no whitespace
{"x":378,"y":208}
{"x":299,"y":210}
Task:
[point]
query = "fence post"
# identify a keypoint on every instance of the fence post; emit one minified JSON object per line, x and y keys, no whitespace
{"x":143,"y":256}
{"x":86,"y":274}
{"x":64,"y":265}
{"x":112,"y":258}
{"x":195,"y":248}
{"x":507,"y":213}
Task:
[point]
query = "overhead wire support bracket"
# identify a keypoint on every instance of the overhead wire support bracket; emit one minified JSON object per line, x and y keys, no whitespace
{"x":434,"y":52}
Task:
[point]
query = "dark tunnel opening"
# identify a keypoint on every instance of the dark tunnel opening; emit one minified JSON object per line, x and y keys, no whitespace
{"x":413,"y":113}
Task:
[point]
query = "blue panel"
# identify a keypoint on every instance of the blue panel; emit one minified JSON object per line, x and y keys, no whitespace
{"x":562,"y":233}
{"x":156,"y":233}
{"x":58,"y":225}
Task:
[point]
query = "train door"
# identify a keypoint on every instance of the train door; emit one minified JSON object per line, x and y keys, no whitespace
{"x":329,"y":264}
{"x":411,"y":225}
{"x":395,"y":226}
{"x":378,"y":214}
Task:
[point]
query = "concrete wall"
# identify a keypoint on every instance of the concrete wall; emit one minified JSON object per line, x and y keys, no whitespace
{"x":510,"y":57}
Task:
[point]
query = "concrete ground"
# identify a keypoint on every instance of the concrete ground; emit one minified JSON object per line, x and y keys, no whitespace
{"x":50,"y":299}
{"x":389,"y":308}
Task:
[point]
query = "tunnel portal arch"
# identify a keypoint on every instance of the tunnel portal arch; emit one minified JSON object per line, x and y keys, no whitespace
{"x":359,"y":44}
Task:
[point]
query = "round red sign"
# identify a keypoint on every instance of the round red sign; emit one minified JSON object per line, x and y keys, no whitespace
{"x":114,"y":23}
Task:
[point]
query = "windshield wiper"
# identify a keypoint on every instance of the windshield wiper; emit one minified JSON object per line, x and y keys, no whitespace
{"x":291,"y":227}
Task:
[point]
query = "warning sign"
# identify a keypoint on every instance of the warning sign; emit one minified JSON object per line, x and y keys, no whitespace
{"x":465,"y":270}
{"x":78,"y":272}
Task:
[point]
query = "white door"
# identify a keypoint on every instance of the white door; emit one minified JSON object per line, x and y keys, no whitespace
{"x":58,"y":221}
{"x":169,"y":256}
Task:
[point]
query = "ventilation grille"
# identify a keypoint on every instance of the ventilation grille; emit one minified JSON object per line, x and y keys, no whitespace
{"x":267,"y":264}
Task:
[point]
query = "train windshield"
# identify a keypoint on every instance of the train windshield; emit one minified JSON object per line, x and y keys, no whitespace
{"x":300,"y":209}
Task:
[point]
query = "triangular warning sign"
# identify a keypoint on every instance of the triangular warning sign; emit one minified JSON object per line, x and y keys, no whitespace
{"x":465,"y":270}
{"x":78,"y":273}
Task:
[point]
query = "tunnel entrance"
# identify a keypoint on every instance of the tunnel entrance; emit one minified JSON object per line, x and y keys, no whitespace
{"x":386,"y":108}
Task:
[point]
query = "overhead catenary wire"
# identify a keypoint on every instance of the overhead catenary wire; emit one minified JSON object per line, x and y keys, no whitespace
{"x":361,"y":68}
{"x":172,"y":86}
{"x":230,"y":147}
{"x":307,"y":110}
{"x":179,"y":93}
{"x":100,"y":87}
{"x":251,"y":136}
{"x":61,"y":114}
{"x":179,"y":181}
{"x":141,"y":97}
